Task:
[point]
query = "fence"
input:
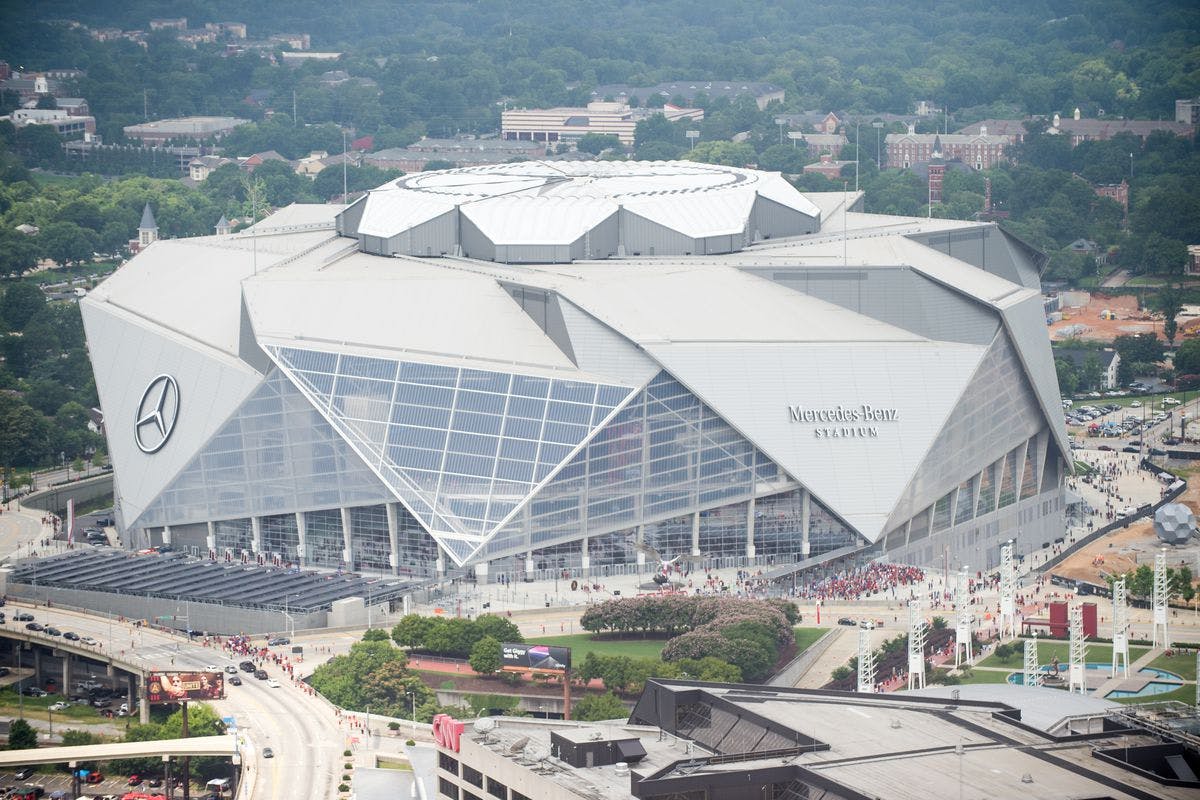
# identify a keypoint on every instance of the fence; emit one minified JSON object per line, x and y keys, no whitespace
{"x":1177,"y":488}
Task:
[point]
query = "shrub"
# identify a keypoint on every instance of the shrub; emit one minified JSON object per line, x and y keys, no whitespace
{"x":410,"y":743}
{"x":343,"y":787}
{"x":347,"y":753}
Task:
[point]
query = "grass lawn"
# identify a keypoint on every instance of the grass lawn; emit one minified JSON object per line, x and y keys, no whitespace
{"x":583,"y":643}
{"x":35,"y":707}
{"x":987,"y":676}
{"x":1145,"y":280}
{"x":1049,"y":649}
{"x":806,"y":636}
{"x":1183,"y":664}
{"x":1184,"y":694}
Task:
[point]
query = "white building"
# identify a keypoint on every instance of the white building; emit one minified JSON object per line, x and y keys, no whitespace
{"x":539,"y":366}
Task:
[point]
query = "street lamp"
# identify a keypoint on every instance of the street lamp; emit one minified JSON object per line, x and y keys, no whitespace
{"x":856,"y":124}
{"x":877,"y":125}
{"x":413,"y":695}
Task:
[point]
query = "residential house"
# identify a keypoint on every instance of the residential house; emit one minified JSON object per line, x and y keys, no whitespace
{"x":1110,"y":362}
{"x":201,"y":167}
{"x":827,"y":166}
{"x":251,"y":163}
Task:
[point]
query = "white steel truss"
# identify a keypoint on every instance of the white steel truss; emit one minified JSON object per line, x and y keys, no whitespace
{"x":1158,"y":620}
{"x":1077,"y":668}
{"x":866,"y":662}
{"x":1120,"y":629}
{"x":917,"y":633}
{"x":1008,"y":593}
{"x":964,"y":619}
{"x":1033,"y":670}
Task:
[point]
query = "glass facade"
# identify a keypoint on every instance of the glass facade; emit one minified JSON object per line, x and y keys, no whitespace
{"x":369,"y":545}
{"x":280,"y":536}
{"x":663,"y":455}
{"x":462,"y":447}
{"x":275,"y":455}
{"x":323,"y":538}
{"x":232,"y":534}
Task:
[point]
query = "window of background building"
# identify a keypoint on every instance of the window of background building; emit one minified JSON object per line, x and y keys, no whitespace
{"x":472,"y":776}
{"x":497,"y":789}
{"x":448,"y":763}
{"x":447,"y":788}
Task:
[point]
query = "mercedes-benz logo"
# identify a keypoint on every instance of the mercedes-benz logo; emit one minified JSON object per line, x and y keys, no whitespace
{"x":156,"y":414}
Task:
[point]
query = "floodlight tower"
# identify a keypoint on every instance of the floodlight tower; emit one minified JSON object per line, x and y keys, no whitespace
{"x":963,"y":620}
{"x":1008,"y":592}
{"x":1033,"y":670}
{"x":866,"y":662}
{"x":1077,"y":669}
{"x":1158,"y":621}
{"x":916,"y":645}
{"x":1120,"y":629}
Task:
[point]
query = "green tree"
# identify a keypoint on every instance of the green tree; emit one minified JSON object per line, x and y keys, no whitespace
{"x":1187,"y":358}
{"x":1091,"y":372}
{"x":485,"y":656}
{"x":18,"y":253}
{"x":21,"y":735}
{"x":21,"y":302}
{"x":375,"y":635}
{"x":1068,"y":379}
{"x":498,"y":628}
{"x":596,"y":707}
{"x":732,"y":154}
{"x":597,"y":143}
{"x":411,"y":630}
{"x":67,"y":243}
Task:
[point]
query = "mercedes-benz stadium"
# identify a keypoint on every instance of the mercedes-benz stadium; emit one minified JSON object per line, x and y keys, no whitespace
{"x":524,"y":368}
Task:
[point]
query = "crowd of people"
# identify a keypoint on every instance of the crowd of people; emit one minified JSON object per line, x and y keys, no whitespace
{"x":861,"y":582}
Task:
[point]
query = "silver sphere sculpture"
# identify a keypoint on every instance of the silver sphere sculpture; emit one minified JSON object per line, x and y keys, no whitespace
{"x":1174,"y":523}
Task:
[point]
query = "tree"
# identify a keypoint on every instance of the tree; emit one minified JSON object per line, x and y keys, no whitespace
{"x":597,"y":143}
{"x":1187,"y":358}
{"x":18,"y":253}
{"x":375,"y":635}
{"x":596,"y":707}
{"x":21,"y":735}
{"x":1068,"y":379}
{"x":67,"y":243}
{"x":411,"y":630}
{"x":485,"y":656}
{"x":498,"y":628}
{"x":1091,"y":372}
{"x":20,"y":303}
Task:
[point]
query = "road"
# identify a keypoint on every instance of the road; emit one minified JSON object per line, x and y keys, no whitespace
{"x":300,"y":728}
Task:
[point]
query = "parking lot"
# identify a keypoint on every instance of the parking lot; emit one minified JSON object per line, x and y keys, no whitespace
{"x":116,"y":786}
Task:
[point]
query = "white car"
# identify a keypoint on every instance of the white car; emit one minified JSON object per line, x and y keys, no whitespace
{"x":87,"y":640}
{"x":59,"y":706}
{"x":1136,"y":404}
{"x":212,"y":668}
{"x":1170,"y":401}
{"x":274,"y":684}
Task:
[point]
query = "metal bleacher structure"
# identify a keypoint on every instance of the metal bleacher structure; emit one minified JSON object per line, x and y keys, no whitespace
{"x":178,"y":577}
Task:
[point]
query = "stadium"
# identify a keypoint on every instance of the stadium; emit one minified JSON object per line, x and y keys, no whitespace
{"x":525,"y":368}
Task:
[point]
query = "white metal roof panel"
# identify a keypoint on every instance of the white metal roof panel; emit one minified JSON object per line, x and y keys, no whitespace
{"x":540,"y":220}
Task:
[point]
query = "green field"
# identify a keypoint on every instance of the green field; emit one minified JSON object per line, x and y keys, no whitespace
{"x":1184,"y":694}
{"x":1048,"y":650}
{"x":583,"y":643}
{"x":805,"y":637}
{"x":987,"y":676}
{"x":1182,"y":663}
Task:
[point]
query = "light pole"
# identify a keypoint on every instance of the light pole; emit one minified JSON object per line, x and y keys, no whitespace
{"x":856,"y":124}
{"x":877,"y":125}
{"x":413,"y":695}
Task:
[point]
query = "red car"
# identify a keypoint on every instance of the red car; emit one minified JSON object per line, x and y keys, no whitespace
{"x":94,"y":777}
{"x":135,"y":780}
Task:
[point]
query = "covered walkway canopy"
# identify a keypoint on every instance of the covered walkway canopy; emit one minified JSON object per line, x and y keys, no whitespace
{"x":195,"y":746}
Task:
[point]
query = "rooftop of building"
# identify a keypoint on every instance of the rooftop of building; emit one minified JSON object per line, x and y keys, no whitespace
{"x":185,"y":125}
{"x":998,"y":741}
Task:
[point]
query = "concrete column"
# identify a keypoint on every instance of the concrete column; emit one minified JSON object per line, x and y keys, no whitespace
{"x":805,"y":522}
{"x":696,"y":533}
{"x":143,"y":706}
{"x":212,"y":536}
{"x":529,"y":563}
{"x":393,"y":523}
{"x":166,"y":534}
{"x":66,"y":674}
{"x":585,"y":560}
{"x":301,"y":538}
{"x":37,"y":666}
{"x":481,"y":572}
{"x":440,"y":564}
{"x":750,"y":552}
{"x":347,"y":553}
{"x":256,"y":534}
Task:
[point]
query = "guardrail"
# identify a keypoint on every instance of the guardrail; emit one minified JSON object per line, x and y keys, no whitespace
{"x":1178,"y":488}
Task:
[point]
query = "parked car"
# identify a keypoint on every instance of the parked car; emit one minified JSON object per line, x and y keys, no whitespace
{"x":95,"y":776}
{"x":135,"y":780}
{"x":268,"y":752}
{"x":23,"y":773}
{"x":59,"y":706}
{"x":87,"y":640}
{"x":33,"y":691}
{"x":22,"y":616}
{"x":35,"y":626}
{"x":154,"y":783}
{"x":71,"y":636}
{"x":847,"y":621}
{"x":52,"y":631}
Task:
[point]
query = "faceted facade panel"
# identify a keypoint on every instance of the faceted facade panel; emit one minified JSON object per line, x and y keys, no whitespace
{"x":275,"y":455}
{"x":461,"y":447}
{"x":664,"y":454}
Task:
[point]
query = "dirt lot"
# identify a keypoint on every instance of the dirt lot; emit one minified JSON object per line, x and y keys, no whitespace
{"x":1129,"y":319}
{"x":1125,"y":549}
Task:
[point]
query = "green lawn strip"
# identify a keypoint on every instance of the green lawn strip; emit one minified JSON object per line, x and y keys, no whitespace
{"x":1184,"y":694}
{"x":806,"y":637}
{"x":10,"y":699}
{"x":1047,"y":650}
{"x":1182,"y":663}
{"x":583,"y":643}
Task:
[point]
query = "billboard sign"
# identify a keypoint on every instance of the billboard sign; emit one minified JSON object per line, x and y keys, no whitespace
{"x":174,"y":687}
{"x":535,"y":656}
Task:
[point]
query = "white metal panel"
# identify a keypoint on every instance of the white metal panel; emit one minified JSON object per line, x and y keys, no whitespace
{"x":390,"y":211}
{"x":538,"y":220}
{"x":601,"y":351}
{"x":860,"y":478}
{"x":707,"y":214}
{"x":127,"y":355}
